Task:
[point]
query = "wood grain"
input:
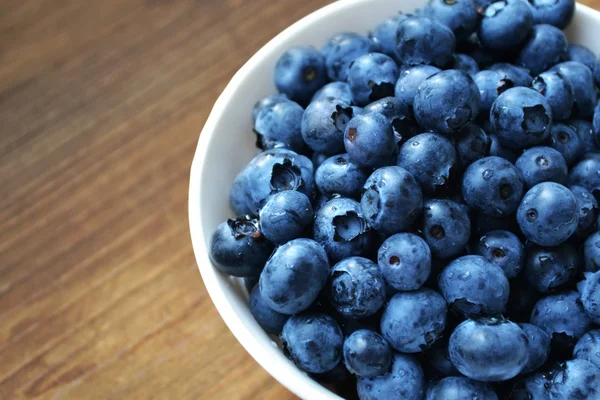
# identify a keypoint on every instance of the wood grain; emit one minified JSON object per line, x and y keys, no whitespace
{"x":101,"y":104}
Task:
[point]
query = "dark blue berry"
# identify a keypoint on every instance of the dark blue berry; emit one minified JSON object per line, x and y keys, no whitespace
{"x":387,"y":209}
{"x":313,"y":341}
{"x":446,"y":101}
{"x":545,"y":47}
{"x":238,"y":247}
{"x":405,"y":380}
{"x":504,"y":249}
{"x":474,"y":286}
{"x":492,"y":185}
{"x":279,"y":126}
{"x":399,"y":116}
{"x":421,"y":40}
{"x":561,"y":313}
{"x":341,"y":229}
{"x":367,"y":354}
{"x":558,"y":92}
{"x":465,"y":63}
{"x":588,"y":347}
{"x":285,"y":216}
{"x":339,"y":176}
{"x":564,"y":139}
{"x":405,"y":261}
{"x":505,"y":24}
{"x":548,"y":268}
{"x":558,"y":13}
{"x":372,"y":77}
{"x":458,"y":15}
{"x":445,"y":226}
{"x":460,"y":388}
{"x":267,"y":102}
{"x":491,"y":84}
{"x":472,"y":144}
{"x":343,"y":52}
{"x":589,"y":288}
{"x":409,"y":81}
{"x":576,"y":380}
{"x":370,"y":141}
{"x":300,"y":72}
{"x":338,"y":90}
{"x":412,"y":321}
{"x":356,"y":287}
{"x":591,"y":253}
{"x":323,"y":125}
{"x":539,"y":347}
{"x":294,"y":276}
{"x":518,"y":75}
{"x":489,"y":350}
{"x":521,"y":117}
{"x":588,"y":210}
{"x":542,"y":164}
{"x":582,"y":82}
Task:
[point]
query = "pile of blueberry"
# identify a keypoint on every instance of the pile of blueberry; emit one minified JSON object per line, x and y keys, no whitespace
{"x":421,"y":221}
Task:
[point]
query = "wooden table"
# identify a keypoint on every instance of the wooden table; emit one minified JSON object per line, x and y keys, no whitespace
{"x":101,"y":104}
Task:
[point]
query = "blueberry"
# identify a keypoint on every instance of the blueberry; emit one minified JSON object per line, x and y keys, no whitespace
{"x":445,"y":226}
{"x":591,"y":253}
{"x":542,"y":164}
{"x":561,"y":313}
{"x":588,"y":347}
{"x":548,"y":214}
{"x":533,"y":387}
{"x":545,"y":47}
{"x":429,"y":157}
{"x":412,"y":321}
{"x":384,"y":34}
{"x":372,"y":77}
{"x":491,"y":84}
{"x":521,"y":117}
{"x":446,"y":101}
{"x":458,"y":15}
{"x":399,"y":116}
{"x":356,"y":287}
{"x":267,"y":102}
{"x":582,"y":82}
{"x":564,"y":139}
{"x":558,"y":92}
{"x":370,"y":141}
{"x":269,"y":319}
{"x":472,"y":144}
{"x":279,"y":126}
{"x":588,"y":210}
{"x":492,"y":185}
{"x":558,"y":13}
{"x":409,"y":81}
{"x":505,"y":24}
{"x":405,"y":381}
{"x":341,"y":229}
{"x":339,"y":176}
{"x":460,"y":388}
{"x":238,"y":247}
{"x":274,"y":171}
{"x":465,"y":63}
{"x":300,"y":72}
{"x":405,"y":261}
{"x":586,"y":173}
{"x":585,"y":131}
{"x":421,"y":40}
{"x":589,"y":288}
{"x":474,"y":286}
{"x":367,"y":354}
{"x":539,"y":347}
{"x":439,"y":358}
{"x":313,"y":341}
{"x":496,"y":149}
{"x":294,"y":276}
{"x":323,"y":125}
{"x":391,"y":200}
{"x":585,"y":56}
{"x":237,"y":195}
{"x":548,"y":268}
{"x":338,"y":90}
{"x":504,"y":249}
{"x":577,"y":380}
{"x":489,"y":350}
{"x":344,"y":51}
{"x":285,"y":216}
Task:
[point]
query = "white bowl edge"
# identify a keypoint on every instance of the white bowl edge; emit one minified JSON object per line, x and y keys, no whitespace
{"x":208,"y":204}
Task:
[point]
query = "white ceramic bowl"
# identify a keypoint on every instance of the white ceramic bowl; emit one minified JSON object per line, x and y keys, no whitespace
{"x":227,"y":144}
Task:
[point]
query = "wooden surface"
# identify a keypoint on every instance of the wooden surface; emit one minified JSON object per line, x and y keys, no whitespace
{"x":101,"y":103}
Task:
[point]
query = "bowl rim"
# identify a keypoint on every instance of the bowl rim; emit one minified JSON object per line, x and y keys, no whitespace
{"x":296,"y":381}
